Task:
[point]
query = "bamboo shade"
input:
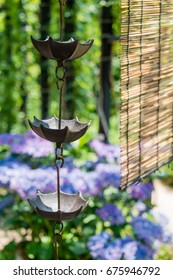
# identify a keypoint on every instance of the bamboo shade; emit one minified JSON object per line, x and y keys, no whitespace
{"x":146,"y":122}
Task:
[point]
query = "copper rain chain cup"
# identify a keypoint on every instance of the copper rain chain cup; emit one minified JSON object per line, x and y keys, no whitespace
{"x":70,"y":130}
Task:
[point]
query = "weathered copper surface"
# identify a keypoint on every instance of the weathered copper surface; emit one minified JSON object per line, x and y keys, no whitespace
{"x":46,"y":205}
{"x":70,"y":131}
{"x":61,"y":51}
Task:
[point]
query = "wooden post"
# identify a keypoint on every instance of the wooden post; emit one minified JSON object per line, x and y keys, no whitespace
{"x":105,"y":70}
{"x":44,"y":31}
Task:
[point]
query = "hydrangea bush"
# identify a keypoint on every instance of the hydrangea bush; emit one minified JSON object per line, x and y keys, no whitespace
{"x":116,"y":224}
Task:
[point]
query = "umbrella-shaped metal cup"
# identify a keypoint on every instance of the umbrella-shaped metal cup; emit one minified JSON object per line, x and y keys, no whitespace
{"x":70,"y":130}
{"x":46,"y":205}
{"x":61,"y":51}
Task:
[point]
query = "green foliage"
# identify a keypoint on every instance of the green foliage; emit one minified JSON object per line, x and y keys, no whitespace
{"x":16,"y":61}
{"x":165,"y":253}
{"x":9,"y":252}
{"x":20,"y":71}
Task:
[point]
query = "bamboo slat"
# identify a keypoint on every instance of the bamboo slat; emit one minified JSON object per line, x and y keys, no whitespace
{"x":146,"y":120}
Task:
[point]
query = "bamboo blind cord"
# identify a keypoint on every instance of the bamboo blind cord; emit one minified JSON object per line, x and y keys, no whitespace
{"x":140,"y":83}
{"x":127,"y":85}
{"x":146,"y":120}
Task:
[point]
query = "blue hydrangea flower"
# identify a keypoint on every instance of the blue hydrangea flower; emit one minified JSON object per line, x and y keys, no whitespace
{"x":135,"y":250}
{"x":111,"y":213}
{"x":97,"y":244}
{"x":147,"y":230}
{"x":104,"y":247}
{"x":113,"y":251}
{"x":167,"y":236}
{"x":6,"y":201}
{"x":141,"y":191}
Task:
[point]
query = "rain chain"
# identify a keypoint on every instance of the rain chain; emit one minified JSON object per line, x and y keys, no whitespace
{"x":59,"y":206}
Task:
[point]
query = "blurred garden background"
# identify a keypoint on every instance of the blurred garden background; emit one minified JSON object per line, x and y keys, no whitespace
{"x":130,"y":224}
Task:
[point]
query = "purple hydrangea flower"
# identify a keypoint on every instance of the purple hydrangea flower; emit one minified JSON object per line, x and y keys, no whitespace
{"x":140,"y":206}
{"x":141,"y":191}
{"x":110,"y":152}
{"x":109,"y":173}
{"x":8,"y":138}
{"x":26,"y":182}
{"x":5,"y":174}
{"x":89,"y":183}
{"x":76,"y":179}
{"x":94,"y":183}
{"x":27,"y":144}
{"x":111,"y":213}
{"x":8,"y":169}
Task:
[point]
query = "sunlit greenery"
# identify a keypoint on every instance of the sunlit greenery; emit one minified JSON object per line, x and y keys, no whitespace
{"x":19,"y":61}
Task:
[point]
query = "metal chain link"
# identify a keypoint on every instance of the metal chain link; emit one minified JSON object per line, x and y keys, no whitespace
{"x":57,"y":237}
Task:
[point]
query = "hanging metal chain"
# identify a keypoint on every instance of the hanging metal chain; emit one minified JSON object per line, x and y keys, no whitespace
{"x":58,"y":158}
{"x":60,"y":76}
{"x":57,"y":237}
{"x":61,"y":4}
{"x":60,"y":80}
